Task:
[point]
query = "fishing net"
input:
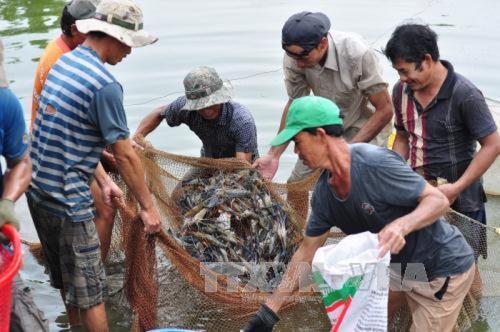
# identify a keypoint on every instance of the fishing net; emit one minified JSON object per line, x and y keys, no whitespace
{"x":209,"y":215}
{"x":168,"y":282}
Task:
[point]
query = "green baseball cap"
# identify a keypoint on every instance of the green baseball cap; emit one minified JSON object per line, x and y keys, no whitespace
{"x":308,"y":112}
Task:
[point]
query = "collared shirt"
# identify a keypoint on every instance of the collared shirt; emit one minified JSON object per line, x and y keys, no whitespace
{"x":350,"y":75}
{"x":443,"y":136}
{"x":233,"y":132}
{"x":51,"y":54}
{"x":71,"y":130}
{"x":14,"y":141}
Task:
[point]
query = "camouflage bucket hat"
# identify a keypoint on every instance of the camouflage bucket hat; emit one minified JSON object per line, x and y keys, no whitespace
{"x":204,"y":88}
{"x":120,"y":19}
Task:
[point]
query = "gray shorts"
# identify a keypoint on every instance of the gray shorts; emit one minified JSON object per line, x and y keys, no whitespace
{"x":73,"y":255}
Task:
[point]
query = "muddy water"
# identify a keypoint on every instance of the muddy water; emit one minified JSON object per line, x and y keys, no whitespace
{"x":240,"y":39}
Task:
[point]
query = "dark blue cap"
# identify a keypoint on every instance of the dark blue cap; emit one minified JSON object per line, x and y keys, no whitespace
{"x":305,"y":29}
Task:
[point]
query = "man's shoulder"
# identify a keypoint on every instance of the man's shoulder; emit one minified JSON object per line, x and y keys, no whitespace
{"x":464,"y":87}
{"x":349,"y":44}
{"x":370,"y":155}
{"x":240,"y":111}
{"x":9,"y":103}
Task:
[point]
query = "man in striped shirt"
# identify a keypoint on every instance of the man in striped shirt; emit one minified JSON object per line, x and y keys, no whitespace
{"x":81,"y":111}
{"x":440,"y":117}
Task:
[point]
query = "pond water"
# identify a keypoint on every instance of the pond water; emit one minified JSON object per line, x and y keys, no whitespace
{"x":241,"y":39}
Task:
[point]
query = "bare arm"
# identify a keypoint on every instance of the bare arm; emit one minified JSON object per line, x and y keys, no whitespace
{"x":490,"y":149}
{"x":268,"y":164}
{"x":150,"y":122}
{"x":402,"y":144}
{"x":17,"y":178}
{"x":277,"y":151}
{"x":108,"y":187}
{"x":131,"y":170}
{"x":383,"y":114}
{"x":431,"y":205}
{"x":298,"y":269}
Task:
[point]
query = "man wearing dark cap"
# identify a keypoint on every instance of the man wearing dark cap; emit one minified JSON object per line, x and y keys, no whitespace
{"x":338,"y":66}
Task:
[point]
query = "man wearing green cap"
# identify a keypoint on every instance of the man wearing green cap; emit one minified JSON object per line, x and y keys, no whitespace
{"x":368,"y":188}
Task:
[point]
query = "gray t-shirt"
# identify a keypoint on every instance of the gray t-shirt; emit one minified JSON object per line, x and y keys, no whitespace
{"x":384,"y":188}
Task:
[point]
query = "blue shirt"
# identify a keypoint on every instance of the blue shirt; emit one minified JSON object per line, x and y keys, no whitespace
{"x":384,"y":188}
{"x":234,"y":130}
{"x":81,"y":111}
{"x":13,"y":136}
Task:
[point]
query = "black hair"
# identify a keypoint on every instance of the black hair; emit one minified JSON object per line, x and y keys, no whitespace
{"x":67,"y":20}
{"x":96,"y":34}
{"x":411,"y":42}
{"x":335,"y":130}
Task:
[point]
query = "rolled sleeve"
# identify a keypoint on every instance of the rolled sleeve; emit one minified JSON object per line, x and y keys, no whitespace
{"x":174,"y":114}
{"x":107,"y":113}
{"x":371,"y":81}
{"x":295,"y":81}
{"x":16,"y":140}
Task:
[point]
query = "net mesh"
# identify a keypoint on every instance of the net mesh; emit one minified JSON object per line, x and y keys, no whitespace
{"x":166,"y":286}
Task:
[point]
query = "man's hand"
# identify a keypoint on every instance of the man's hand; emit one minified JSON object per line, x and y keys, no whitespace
{"x":267,"y":166}
{"x":450,"y":191}
{"x":263,"y":321}
{"x":391,"y":238}
{"x":151,"y":219}
{"x":7,"y":213}
{"x":110,"y":191}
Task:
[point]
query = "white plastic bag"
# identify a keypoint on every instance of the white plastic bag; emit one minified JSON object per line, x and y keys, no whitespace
{"x":354,"y":283}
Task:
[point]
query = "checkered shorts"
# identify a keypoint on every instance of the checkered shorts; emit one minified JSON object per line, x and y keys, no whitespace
{"x":73,"y":255}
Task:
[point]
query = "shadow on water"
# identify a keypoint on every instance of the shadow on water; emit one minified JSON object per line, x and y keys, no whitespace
{"x":29,"y":16}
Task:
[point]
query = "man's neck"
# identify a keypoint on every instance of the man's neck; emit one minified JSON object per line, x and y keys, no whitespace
{"x":323,"y":59}
{"x":427,"y":94}
{"x":68,"y":41}
{"x":339,"y":166}
{"x":99,"y":46}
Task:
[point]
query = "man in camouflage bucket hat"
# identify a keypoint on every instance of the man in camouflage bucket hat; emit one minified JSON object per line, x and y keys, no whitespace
{"x":81,"y":111}
{"x":226,"y":128}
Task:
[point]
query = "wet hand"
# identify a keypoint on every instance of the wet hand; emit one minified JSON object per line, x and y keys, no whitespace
{"x":136,"y":146}
{"x":151,"y":219}
{"x":267,"y":166}
{"x":450,"y":191}
{"x":7,"y":213}
{"x":263,"y":321}
{"x":391,"y":238}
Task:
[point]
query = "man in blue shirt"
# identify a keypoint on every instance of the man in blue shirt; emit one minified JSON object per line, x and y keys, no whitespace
{"x":14,"y":147}
{"x":368,"y":188}
{"x":81,"y":111}
{"x":226,"y":128}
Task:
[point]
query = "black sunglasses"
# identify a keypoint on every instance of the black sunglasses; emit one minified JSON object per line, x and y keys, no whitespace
{"x":302,"y":55}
